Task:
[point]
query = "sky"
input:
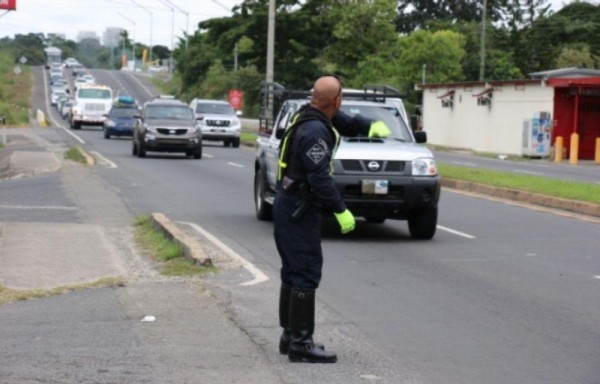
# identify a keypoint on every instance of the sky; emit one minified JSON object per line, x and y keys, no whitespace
{"x":168,"y":23}
{"x":71,"y":16}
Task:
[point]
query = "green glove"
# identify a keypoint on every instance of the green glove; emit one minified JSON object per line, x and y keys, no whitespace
{"x":379,"y":129}
{"x":346,"y":221}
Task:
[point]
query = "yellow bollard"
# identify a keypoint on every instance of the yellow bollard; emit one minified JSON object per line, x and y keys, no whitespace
{"x":558,"y":149}
{"x":574,"y":152}
{"x":597,"y":158}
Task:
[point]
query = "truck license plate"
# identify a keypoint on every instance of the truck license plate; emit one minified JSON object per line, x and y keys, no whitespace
{"x":374,"y":187}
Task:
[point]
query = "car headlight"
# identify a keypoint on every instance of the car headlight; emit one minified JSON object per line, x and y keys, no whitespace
{"x":110,"y":123}
{"x":424,"y":167}
{"x":150,"y":128}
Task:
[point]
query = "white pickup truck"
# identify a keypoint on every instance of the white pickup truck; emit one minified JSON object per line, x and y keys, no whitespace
{"x":379,"y":179}
{"x":91,"y":102}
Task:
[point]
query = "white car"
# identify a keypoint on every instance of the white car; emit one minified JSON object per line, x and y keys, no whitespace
{"x":56,"y":94}
{"x":218,"y":120}
{"x":89,"y":79}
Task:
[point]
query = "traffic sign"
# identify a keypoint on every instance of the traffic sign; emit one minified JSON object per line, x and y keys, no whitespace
{"x":236,"y":98}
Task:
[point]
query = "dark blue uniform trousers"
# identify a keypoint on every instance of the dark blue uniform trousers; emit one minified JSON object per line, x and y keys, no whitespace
{"x":298,"y":242}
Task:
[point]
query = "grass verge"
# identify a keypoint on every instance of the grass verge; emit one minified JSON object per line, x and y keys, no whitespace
{"x":74,"y":154}
{"x":586,"y":192}
{"x":9,"y":295}
{"x":248,"y":138}
{"x":166,"y":252}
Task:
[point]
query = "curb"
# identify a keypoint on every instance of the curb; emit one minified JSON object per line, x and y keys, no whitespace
{"x":191,"y":248}
{"x":89,"y":159}
{"x":587,"y":209}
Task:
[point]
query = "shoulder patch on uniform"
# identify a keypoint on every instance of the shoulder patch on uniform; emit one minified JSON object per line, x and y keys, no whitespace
{"x":316,"y":153}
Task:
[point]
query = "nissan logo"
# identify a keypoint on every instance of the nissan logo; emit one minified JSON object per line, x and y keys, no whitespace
{"x":373,"y":166}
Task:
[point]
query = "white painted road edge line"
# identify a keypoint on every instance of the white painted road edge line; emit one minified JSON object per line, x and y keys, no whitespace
{"x":48,"y":107}
{"x":104,"y":159}
{"x":464,"y":163}
{"x":528,"y":172}
{"x":55,"y":207}
{"x":466,"y":235}
{"x":259,"y":276}
{"x":235,"y":164}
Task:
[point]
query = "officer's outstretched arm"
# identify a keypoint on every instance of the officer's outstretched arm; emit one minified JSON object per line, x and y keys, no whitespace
{"x":351,"y":126}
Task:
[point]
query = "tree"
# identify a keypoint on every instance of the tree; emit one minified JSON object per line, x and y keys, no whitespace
{"x":577,"y":55}
{"x":439,"y":53}
{"x":363,"y":31}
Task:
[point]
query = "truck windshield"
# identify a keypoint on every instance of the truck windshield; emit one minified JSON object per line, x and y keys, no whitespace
{"x":214,"y":109}
{"x":169,"y":113}
{"x":94,"y":94}
{"x":389,"y":115}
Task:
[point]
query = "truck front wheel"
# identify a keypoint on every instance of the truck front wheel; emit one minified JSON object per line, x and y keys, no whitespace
{"x":422,"y":223}
{"x":264,"y":211}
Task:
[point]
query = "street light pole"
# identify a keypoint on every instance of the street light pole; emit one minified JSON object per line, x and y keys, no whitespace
{"x":270,"y":55}
{"x":151,"y":24}
{"x":187,"y":21}
{"x":172,"y":34}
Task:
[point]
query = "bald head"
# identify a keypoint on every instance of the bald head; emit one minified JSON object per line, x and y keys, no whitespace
{"x":325,"y":94}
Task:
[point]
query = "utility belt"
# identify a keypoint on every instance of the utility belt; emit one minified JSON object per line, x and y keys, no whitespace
{"x":302,"y":191}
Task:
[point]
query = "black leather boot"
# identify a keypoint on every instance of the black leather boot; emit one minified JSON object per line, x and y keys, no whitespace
{"x":284,"y":315}
{"x":302,"y":325}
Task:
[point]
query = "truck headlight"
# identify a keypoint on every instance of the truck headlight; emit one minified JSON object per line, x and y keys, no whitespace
{"x":424,"y":167}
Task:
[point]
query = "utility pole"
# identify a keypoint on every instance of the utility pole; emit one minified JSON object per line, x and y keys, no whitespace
{"x":482,"y":54}
{"x":270,"y":58}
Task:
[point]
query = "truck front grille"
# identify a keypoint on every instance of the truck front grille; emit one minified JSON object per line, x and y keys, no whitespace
{"x":93,"y":107}
{"x":172,"y":131}
{"x":363,"y":166}
{"x":218,"y":123}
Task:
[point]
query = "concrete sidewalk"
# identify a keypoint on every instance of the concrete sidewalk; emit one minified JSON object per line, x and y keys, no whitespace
{"x":50,"y":239}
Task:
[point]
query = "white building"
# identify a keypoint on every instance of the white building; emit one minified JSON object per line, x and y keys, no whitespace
{"x":505,"y":116}
{"x":82,"y":35}
{"x":112,"y":36}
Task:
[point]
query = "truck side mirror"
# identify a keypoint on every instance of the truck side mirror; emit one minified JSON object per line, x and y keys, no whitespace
{"x":420,"y":137}
{"x":279,"y":133}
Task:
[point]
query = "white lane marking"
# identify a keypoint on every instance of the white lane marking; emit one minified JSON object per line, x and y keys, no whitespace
{"x":597,"y":277}
{"x":455,"y":232}
{"x":259,"y":276}
{"x":464,"y":163}
{"x":140,"y":83}
{"x":48,"y":207}
{"x":528,"y":172}
{"x":103,"y":159}
{"x":208,"y":156}
{"x":48,"y":107}
{"x":235,"y":164}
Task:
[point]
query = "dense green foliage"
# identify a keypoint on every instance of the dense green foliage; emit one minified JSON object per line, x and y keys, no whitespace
{"x":15,"y":89}
{"x":396,"y":42}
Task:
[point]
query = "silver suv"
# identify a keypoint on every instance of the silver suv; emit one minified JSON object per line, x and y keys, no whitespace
{"x":167,"y":125}
{"x":379,"y":178}
{"x":219,"y":121}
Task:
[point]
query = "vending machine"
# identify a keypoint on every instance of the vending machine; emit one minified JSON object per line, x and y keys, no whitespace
{"x":537,"y":133}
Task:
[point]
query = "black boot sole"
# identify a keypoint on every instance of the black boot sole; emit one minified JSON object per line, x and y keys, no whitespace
{"x":308,"y":359}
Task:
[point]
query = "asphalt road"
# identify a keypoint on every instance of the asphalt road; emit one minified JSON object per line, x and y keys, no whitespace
{"x":502,"y":294}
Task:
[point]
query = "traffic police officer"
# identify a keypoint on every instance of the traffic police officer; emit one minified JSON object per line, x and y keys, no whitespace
{"x":305,"y":186}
